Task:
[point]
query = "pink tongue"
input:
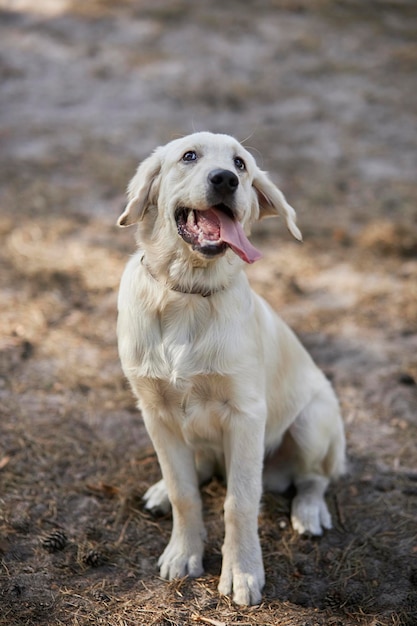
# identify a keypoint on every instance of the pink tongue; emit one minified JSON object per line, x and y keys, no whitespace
{"x":233,"y":234}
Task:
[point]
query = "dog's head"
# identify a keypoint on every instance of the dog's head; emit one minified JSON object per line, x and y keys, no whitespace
{"x":201,"y":194}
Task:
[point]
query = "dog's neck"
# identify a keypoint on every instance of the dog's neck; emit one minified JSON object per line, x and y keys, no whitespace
{"x":197,"y":291}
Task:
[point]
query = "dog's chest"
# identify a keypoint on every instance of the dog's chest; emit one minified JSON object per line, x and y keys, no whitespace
{"x":186,"y":365}
{"x":198,"y":407}
{"x":183,"y":343}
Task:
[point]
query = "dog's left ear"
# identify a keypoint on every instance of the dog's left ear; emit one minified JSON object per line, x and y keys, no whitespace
{"x":272,"y":203}
{"x":142,"y":190}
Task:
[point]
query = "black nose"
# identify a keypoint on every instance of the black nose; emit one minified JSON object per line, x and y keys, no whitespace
{"x":223,"y":181}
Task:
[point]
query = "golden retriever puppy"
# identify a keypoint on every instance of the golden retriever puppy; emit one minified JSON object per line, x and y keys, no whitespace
{"x":221,"y":381}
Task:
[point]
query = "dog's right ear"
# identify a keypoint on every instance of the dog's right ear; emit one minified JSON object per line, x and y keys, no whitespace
{"x":142,"y":190}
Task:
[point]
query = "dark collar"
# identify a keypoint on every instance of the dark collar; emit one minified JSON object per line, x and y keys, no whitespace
{"x":178,"y":288}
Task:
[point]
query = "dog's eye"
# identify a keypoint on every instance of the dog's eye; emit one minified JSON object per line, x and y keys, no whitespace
{"x":189,"y":156}
{"x":240,"y":164}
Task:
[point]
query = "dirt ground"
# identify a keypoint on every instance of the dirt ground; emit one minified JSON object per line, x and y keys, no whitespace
{"x":325,"y":94}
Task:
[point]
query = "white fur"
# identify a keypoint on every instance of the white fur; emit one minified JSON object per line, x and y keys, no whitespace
{"x":220,"y":380}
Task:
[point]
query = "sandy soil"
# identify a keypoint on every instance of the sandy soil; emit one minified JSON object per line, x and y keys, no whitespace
{"x":325,"y":94}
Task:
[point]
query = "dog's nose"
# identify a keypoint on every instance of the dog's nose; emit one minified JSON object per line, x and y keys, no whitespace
{"x":223,"y":181}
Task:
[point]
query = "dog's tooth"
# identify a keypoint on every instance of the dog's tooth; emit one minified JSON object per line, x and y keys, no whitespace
{"x":191,"y":218}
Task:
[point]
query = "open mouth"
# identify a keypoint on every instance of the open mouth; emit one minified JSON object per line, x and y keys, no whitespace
{"x":212,"y":231}
{"x":201,"y":229}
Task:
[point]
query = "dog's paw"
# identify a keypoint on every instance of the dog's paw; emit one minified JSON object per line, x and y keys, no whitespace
{"x":245,"y":583}
{"x":242,"y":574}
{"x":310,"y":515}
{"x":156,"y":499}
{"x":181,"y":559}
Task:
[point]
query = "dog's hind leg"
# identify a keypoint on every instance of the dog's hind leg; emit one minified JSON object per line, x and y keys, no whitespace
{"x":309,"y":512}
{"x":156,"y":499}
{"x":319,"y":456}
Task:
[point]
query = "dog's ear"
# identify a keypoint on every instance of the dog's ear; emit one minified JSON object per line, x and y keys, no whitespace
{"x":142,"y":190}
{"x":272,"y":203}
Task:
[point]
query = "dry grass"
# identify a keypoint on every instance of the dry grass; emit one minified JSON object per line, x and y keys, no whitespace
{"x":75,"y":459}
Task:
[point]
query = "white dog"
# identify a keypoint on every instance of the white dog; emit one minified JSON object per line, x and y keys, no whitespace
{"x":222,"y":382}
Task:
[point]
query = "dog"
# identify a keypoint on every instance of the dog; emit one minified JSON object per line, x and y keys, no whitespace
{"x":222,"y":382}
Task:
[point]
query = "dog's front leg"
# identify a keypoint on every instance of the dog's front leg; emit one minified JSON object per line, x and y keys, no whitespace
{"x":184,"y":553}
{"x":242,"y":570}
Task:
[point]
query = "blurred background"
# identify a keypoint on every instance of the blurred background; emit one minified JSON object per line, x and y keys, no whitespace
{"x":324,"y":90}
{"x":324,"y":94}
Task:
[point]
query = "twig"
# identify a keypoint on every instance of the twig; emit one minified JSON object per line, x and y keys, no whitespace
{"x":207,"y":620}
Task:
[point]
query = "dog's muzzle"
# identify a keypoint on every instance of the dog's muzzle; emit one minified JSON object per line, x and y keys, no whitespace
{"x":211,"y":231}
